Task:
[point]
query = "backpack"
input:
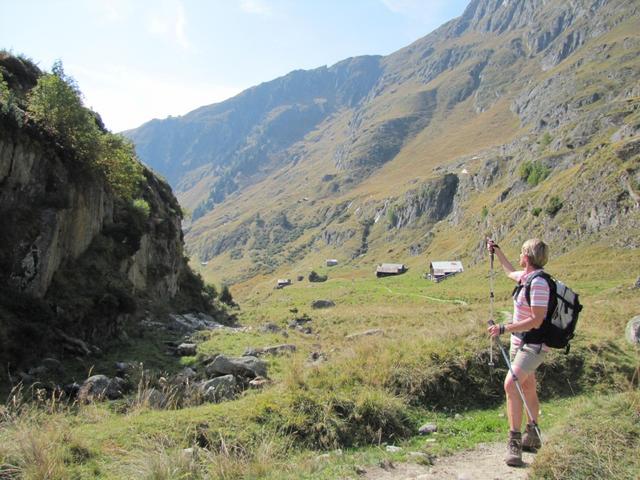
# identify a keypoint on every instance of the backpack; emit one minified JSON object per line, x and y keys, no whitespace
{"x":563,"y":310}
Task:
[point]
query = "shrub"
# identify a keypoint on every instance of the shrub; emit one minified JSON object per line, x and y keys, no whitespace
{"x":55,"y":103}
{"x":554,"y":205}
{"x":142,"y":206}
{"x":536,"y":211}
{"x":315,"y":277}
{"x":392,"y":217}
{"x":546,"y":139}
{"x":6,"y":96}
{"x":325,"y":419}
{"x":485,"y":212}
{"x":533,"y":172}
{"x":117,"y":161}
{"x":226,"y":297}
{"x":210,"y":291}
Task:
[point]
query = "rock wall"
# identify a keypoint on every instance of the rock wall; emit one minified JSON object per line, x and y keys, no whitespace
{"x":64,"y":215}
{"x":76,"y":261}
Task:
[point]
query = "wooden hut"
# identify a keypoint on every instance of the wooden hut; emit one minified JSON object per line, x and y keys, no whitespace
{"x":440,"y":270}
{"x":387,"y":269}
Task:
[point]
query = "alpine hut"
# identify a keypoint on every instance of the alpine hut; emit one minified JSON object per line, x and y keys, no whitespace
{"x":440,"y":270}
{"x":387,"y":269}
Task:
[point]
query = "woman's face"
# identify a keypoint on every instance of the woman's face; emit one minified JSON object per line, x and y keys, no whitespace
{"x":523,"y":259}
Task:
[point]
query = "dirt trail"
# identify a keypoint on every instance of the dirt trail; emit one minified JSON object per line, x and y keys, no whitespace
{"x":485,"y":462}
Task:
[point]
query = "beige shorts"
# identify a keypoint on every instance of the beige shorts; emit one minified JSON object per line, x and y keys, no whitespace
{"x":527,"y":358}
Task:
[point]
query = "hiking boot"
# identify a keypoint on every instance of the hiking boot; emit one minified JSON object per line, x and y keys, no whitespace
{"x":514,"y":450}
{"x":531,"y":440}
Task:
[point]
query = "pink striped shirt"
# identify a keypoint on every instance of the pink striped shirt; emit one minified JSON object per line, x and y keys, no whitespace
{"x":522,"y":310}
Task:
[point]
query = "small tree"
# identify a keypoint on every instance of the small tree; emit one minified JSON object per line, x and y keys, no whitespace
{"x":533,"y":172}
{"x":392,"y":217}
{"x":225,"y":296}
{"x":316,"y":277}
{"x":211,"y":291}
{"x":7,"y":97}
{"x":116,"y":159}
{"x":55,"y":103}
{"x":554,"y":205}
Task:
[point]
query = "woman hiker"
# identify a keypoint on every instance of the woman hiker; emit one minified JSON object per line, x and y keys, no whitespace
{"x":527,"y":355}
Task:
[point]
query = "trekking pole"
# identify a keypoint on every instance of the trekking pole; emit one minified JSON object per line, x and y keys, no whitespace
{"x":517,"y":382}
{"x":491,"y":297}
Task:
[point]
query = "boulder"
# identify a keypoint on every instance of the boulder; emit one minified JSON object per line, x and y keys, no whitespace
{"x":154,"y":398}
{"x":191,"y":322}
{"x":632,"y":332}
{"x":186,"y":349}
{"x":427,"y":429}
{"x":220,"y":388}
{"x":270,"y":328}
{"x":187,"y":372}
{"x":272,"y":350}
{"x":258,"y":382}
{"x":637,"y":284}
{"x":249,"y":367}
{"x":299,"y":321}
{"x":322,"y":304}
{"x":71,"y":390}
{"x":99,"y":387}
{"x":123,"y":368}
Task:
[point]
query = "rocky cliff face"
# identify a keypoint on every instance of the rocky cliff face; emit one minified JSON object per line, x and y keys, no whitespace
{"x":48,"y":217}
{"x":77,"y":260}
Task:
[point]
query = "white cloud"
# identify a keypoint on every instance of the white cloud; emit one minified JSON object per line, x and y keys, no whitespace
{"x":256,"y":7}
{"x":169,"y":20}
{"x":126,"y":98}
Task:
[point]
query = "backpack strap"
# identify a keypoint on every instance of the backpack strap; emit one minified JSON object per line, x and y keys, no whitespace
{"x":548,"y":279}
{"x":527,"y":285}
{"x":537,"y":335}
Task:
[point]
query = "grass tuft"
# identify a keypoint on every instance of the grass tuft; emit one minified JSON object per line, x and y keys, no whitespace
{"x":601,"y":440}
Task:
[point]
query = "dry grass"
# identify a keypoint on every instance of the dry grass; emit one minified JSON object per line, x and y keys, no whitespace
{"x":601,"y":440}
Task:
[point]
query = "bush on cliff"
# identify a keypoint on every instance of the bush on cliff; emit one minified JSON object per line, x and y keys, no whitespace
{"x":55,"y":103}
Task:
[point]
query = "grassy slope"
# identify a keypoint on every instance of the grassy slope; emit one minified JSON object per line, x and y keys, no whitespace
{"x":428,"y":337}
{"x":456,"y":139}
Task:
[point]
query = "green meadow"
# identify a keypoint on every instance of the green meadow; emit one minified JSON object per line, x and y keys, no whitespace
{"x":425,"y":360}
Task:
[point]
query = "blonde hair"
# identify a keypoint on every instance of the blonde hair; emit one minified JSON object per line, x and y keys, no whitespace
{"x":537,"y":251}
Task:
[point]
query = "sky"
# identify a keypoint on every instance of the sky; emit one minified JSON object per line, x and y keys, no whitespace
{"x":135,"y":60}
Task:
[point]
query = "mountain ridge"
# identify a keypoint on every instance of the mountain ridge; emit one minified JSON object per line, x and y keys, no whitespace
{"x":505,"y":84}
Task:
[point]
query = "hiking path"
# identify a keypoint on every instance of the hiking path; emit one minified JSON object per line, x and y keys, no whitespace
{"x":484,"y":462}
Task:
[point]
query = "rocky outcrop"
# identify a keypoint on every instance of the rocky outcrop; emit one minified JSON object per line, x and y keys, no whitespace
{"x":80,"y":260}
{"x":337,"y":238}
{"x":432,"y":202}
{"x":100,"y":387}
{"x":68,"y":212}
{"x":241,"y":366}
